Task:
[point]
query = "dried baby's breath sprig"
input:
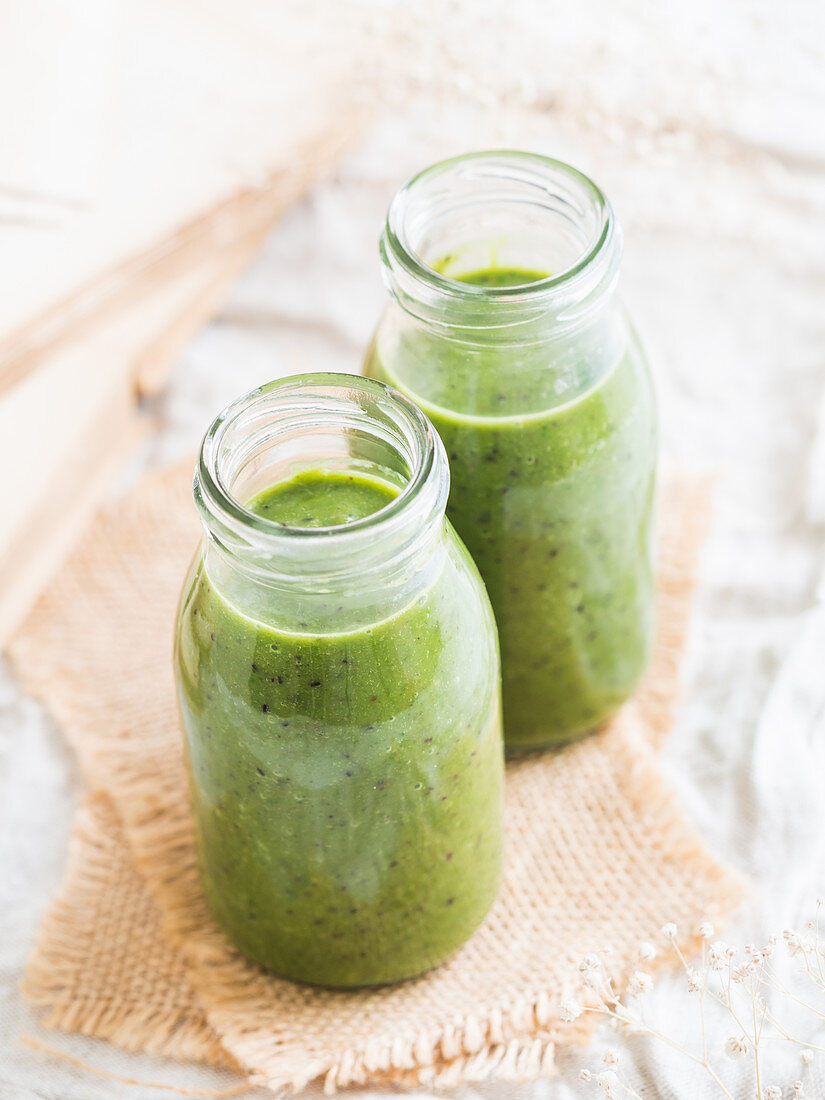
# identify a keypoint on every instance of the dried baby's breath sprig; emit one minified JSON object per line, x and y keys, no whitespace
{"x":736,"y":1046}
{"x":639,"y":983}
{"x":745,"y":984}
{"x":570,"y":1010}
{"x":718,"y":956}
{"x":695,"y":981}
{"x":589,"y":963}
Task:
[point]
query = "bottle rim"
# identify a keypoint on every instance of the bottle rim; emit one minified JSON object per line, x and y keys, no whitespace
{"x":312,"y":401}
{"x":432,"y":295}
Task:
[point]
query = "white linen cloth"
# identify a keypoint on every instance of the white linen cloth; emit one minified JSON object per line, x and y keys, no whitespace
{"x":706,"y":126}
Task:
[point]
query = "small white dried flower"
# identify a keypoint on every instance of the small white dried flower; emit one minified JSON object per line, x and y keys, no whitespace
{"x":611,"y":1058}
{"x":669,"y":931}
{"x":807,"y":1056}
{"x":647,"y":952}
{"x":736,"y":1047}
{"x":589,"y":963}
{"x":793,"y":941}
{"x":773,"y":1092}
{"x":607,"y":1081}
{"x":739,"y":974}
{"x":706,"y":930}
{"x":717,"y":955}
{"x":639,"y":983}
{"x":797,"y":1086}
{"x":694,"y":982}
{"x":585,"y":1075}
{"x":570,"y":1010}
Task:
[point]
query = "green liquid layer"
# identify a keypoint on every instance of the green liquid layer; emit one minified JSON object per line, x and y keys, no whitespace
{"x":347,"y":786}
{"x":552,"y":485}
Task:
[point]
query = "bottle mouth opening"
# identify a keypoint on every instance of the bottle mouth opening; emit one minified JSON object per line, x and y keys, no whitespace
{"x":499,"y":209}
{"x":319,"y":422}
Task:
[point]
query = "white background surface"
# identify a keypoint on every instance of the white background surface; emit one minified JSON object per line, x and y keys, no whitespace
{"x":705,"y":123}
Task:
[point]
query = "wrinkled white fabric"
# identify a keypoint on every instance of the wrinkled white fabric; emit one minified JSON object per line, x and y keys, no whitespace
{"x":706,"y":125}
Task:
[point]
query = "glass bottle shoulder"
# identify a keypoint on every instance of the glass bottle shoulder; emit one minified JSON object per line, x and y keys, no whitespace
{"x":509,"y":384}
{"x":372,"y":657}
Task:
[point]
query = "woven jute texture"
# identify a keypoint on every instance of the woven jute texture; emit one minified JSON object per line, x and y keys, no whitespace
{"x":599,"y":855}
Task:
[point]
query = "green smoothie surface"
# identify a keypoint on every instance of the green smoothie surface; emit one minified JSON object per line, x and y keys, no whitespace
{"x":502,"y":276}
{"x":322,"y":499}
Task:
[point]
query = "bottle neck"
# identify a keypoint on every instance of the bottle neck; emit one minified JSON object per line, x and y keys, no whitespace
{"x":502,"y":210}
{"x":326,"y":424}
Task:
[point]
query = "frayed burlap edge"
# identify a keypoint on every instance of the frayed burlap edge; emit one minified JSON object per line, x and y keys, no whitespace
{"x":515,"y":1042}
{"x":177,"y":1027}
{"x":684,"y":515}
{"x":478,"y":1052}
{"x":173,"y":1025}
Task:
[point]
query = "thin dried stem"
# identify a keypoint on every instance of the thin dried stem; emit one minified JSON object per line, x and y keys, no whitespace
{"x":742,"y":990}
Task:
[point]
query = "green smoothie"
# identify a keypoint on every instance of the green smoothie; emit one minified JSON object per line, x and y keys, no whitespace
{"x":346,"y":780}
{"x":552,"y":478}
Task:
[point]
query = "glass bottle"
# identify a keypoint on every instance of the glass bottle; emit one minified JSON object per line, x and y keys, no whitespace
{"x":505,"y":328}
{"x":339,"y":689}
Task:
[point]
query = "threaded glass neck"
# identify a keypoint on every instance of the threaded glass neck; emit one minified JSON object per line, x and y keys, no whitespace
{"x":321,"y":423}
{"x":505,"y":210}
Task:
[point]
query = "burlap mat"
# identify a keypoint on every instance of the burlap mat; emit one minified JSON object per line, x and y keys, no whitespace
{"x":599,"y":853}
